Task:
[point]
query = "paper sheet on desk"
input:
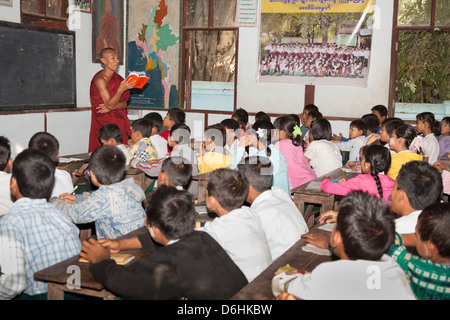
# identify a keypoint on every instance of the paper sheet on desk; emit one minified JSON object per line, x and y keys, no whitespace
{"x":310,"y":248}
{"x":67,"y":160}
{"x":327,"y":226}
{"x":313,"y":186}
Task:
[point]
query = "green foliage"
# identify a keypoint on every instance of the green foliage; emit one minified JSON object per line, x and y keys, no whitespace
{"x":423,"y":71}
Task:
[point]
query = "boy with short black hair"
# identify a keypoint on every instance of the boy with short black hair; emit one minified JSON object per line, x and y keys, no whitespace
{"x":142,"y":148}
{"x":34,"y":234}
{"x":5,"y":177}
{"x":357,"y":140}
{"x":156,"y":122}
{"x":381,"y":112}
{"x":363,"y":232}
{"x":175,"y":172}
{"x":238,"y":228}
{"x":110,"y":134}
{"x":116,"y":207}
{"x":189,"y":265}
{"x":48,"y":144}
{"x":282,"y":222}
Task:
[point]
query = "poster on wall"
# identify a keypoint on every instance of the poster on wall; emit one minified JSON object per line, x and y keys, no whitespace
{"x":107,"y":27}
{"x":315,"y":42}
{"x":153,"y":51}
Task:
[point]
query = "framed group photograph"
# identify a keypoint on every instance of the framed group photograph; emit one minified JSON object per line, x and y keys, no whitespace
{"x":107,"y":27}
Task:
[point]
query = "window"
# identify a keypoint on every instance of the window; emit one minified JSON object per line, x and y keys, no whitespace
{"x":420,"y":71}
{"x":209,"y":55}
{"x":45,"y":13}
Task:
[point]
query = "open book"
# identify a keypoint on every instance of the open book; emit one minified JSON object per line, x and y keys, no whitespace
{"x":140,"y":79}
{"x":119,"y":258}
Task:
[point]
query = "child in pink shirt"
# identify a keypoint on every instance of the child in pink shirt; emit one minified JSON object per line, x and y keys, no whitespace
{"x":375,"y":160}
{"x":291,"y":146}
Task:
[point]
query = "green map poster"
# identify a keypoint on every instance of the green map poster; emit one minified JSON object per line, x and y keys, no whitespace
{"x":153,"y":49}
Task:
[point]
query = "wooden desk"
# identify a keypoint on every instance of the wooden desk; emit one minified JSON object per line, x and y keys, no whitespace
{"x":59,"y":276}
{"x":261,"y":287}
{"x":202,"y":180}
{"x":76,"y":159}
{"x":310,"y":193}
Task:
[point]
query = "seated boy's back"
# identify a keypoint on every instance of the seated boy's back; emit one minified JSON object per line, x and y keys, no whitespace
{"x":34,"y":234}
{"x":116,"y":207}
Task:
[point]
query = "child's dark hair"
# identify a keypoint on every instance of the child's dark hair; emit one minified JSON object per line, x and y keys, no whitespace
{"x":34,"y":172}
{"x":287,"y":124}
{"x":391,"y":123}
{"x":5,"y":152}
{"x":178,"y":170}
{"x":45,"y":142}
{"x":181,"y":133}
{"x":382,"y":110}
{"x":366,"y":226}
{"x":231,"y":124}
{"x":258,"y":171}
{"x":372,"y":122}
{"x":359,"y":124}
{"x":315,"y":114}
{"x":261,"y":115}
{"x":428,"y":118}
{"x":433,"y":225}
{"x":310,"y":107}
{"x":217,"y":133}
{"x":241,"y":116}
{"x":229,"y":187}
{"x":177,"y":115}
{"x":110,"y":131}
{"x":267,"y":128}
{"x":107,"y":163}
{"x":155,"y":120}
{"x":379,"y":158}
{"x":143,"y":126}
{"x":421,"y":182}
{"x":321,"y":129}
{"x":172,"y":211}
{"x":407,"y":132}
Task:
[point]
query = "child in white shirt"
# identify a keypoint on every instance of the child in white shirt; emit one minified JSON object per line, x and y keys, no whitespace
{"x":156,"y":123}
{"x":357,"y":139}
{"x":48,"y":144}
{"x":364,"y":271}
{"x":427,"y":125}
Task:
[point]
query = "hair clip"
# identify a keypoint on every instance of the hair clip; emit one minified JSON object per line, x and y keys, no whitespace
{"x":260,"y":132}
{"x":297,"y":132}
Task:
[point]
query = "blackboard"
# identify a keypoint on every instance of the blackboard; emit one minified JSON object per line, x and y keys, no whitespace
{"x":37,"y":66}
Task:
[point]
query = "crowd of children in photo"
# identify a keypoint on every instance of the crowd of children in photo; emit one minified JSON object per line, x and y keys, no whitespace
{"x":317,"y":60}
{"x":394,"y":203}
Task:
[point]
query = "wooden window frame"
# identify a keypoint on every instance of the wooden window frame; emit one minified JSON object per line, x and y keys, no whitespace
{"x":42,"y":19}
{"x":394,"y":47}
{"x":185,"y":43}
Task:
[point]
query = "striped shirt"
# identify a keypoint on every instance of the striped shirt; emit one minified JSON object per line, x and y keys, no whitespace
{"x":33,"y":236}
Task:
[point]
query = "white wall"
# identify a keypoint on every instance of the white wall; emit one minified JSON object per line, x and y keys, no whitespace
{"x":337,"y":101}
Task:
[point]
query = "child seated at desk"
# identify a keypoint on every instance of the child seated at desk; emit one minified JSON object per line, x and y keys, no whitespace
{"x":174,"y":116}
{"x":116,"y":207}
{"x":5,"y":177}
{"x":232,"y":132}
{"x":429,"y":273}
{"x":282,"y":222}
{"x":34,"y":234}
{"x":364,"y":271}
{"x":357,"y":139}
{"x":444,"y":141}
{"x":110,"y":135}
{"x":405,"y":144}
{"x":213,"y":154}
{"x":322,"y":155}
{"x":189,"y":265}
{"x":238,"y":228}
{"x":372,"y":126}
{"x":375,"y":160}
{"x":427,"y":125}
{"x":259,"y":143}
{"x":156,"y":123}
{"x":142,"y":148}
{"x":48,"y":144}
{"x":291,"y":145}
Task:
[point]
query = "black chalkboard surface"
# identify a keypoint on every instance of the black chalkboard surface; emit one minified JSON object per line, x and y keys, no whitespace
{"x":37,"y":68}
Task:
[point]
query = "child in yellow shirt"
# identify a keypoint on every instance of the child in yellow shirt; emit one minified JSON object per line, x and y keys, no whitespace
{"x":213,"y":154}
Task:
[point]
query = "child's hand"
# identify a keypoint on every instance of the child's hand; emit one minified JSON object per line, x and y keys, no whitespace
{"x":317,"y":239}
{"x":285,"y":296}
{"x":112,"y":245}
{"x":93,"y":251}
{"x":373,"y":138}
{"x":328,"y":217}
{"x":350,"y":164}
{"x":69,"y":198}
{"x":337,"y":137}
